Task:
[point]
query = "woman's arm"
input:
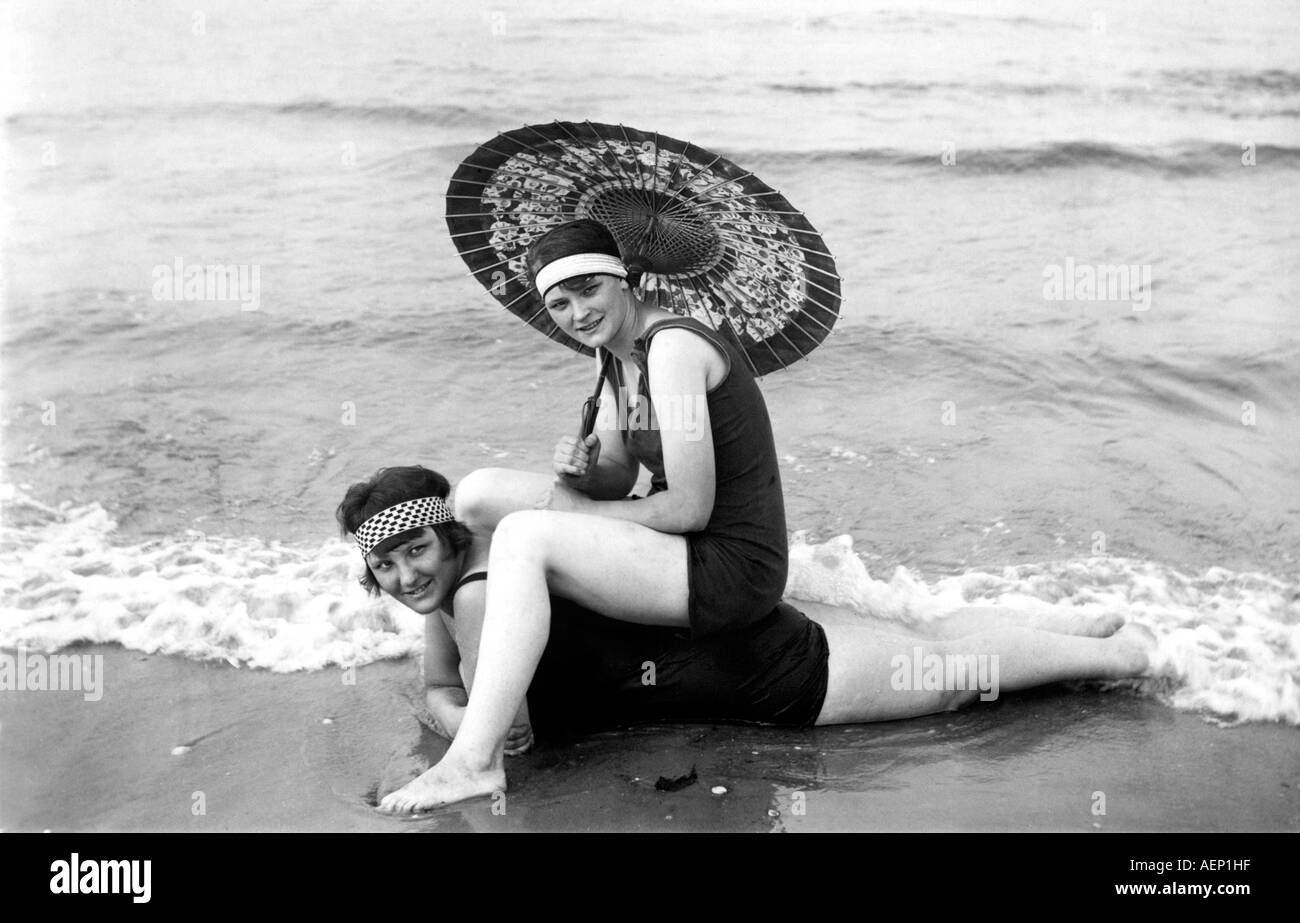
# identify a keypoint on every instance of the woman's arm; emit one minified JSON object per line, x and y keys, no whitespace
{"x":681,"y":365}
{"x":444,"y":694}
{"x":471,"y":604}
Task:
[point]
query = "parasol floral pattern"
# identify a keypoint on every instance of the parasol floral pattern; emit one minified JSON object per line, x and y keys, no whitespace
{"x":728,"y":250}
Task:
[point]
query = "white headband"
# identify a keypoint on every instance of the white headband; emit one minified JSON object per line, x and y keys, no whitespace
{"x":423,"y":511}
{"x":579,"y":264}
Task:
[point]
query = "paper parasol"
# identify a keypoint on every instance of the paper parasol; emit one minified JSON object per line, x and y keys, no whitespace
{"x":728,"y":250}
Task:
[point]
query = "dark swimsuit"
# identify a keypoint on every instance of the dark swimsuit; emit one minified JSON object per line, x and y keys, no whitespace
{"x":736,"y":565}
{"x":748,"y":657}
{"x":598,"y":673}
{"x":468,"y":578}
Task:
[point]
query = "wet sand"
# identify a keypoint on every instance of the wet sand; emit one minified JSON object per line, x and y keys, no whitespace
{"x":310,"y":752}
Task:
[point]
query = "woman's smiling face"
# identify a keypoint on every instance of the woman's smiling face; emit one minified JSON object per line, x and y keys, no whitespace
{"x":417,"y":573}
{"x":591,"y":309}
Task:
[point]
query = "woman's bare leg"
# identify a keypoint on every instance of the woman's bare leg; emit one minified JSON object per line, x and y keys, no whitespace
{"x":487,"y":495}
{"x":611,"y":566}
{"x":881,"y":677}
{"x":972,"y":620}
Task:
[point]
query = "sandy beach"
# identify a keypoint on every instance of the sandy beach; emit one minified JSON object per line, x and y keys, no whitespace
{"x":307,"y":752}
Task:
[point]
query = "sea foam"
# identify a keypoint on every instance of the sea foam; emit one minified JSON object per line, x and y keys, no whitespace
{"x":1228,"y":642}
{"x":64,"y":580}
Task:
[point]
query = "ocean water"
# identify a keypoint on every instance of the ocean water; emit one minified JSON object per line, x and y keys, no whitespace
{"x":171,"y":467}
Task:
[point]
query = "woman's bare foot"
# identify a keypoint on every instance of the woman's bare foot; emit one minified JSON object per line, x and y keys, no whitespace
{"x":1107,"y":625}
{"x":1134,"y":644}
{"x":446,"y":783}
{"x":1085,"y":625}
{"x":1058,"y":620}
{"x":403,"y":767}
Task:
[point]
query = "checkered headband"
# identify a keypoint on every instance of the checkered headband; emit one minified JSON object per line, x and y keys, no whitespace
{"x":412,"y":514}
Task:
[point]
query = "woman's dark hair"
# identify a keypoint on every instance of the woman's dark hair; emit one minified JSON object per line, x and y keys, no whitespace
{"x":584,"y":235}
{"x":581,"y":236}
{"x":388,"y":487}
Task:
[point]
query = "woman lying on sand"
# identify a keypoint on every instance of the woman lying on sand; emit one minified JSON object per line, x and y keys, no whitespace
{"x":585,"y":672}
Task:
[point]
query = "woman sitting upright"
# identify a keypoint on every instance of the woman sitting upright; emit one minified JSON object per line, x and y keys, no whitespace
{"x":706,"y":550}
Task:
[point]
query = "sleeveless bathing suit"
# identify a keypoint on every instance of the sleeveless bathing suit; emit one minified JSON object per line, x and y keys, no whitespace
{"x":736,"y":565}
{"x":598,"y":673}
{"x":593,"y":673}
{"x":468,"y":578}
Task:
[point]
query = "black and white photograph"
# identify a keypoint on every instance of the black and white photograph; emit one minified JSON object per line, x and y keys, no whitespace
{"x":731,"y":416}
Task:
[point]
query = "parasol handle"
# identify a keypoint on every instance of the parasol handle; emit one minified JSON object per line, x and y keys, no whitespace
{"x":637,"y":266}
{"x":591,"y":407}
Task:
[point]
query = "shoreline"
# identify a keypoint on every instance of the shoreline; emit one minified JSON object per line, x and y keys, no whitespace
{"x":308,"y":752}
